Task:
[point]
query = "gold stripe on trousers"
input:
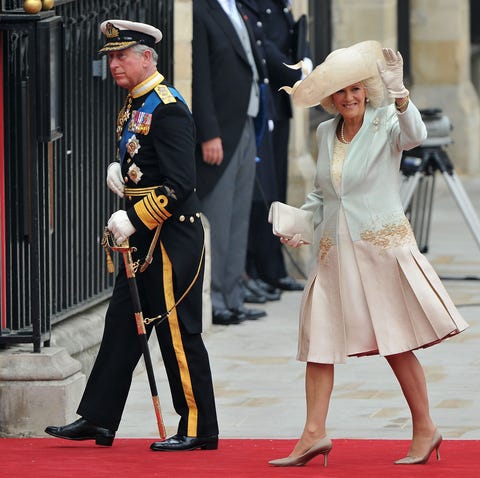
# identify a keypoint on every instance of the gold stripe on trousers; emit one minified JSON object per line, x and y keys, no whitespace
{"x":174,"y":325}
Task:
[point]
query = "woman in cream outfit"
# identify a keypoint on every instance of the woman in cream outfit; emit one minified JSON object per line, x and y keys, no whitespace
{"x":372,"y":291}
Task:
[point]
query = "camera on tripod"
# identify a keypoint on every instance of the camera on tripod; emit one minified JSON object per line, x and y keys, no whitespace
{"x":438,"y":127}
{"x":438,"y":134}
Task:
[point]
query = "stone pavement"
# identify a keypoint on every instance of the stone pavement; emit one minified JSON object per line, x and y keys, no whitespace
{"x":260,"y":386}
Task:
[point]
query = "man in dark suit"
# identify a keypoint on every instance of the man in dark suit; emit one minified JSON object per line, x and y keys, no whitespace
{"x":226,"y":99}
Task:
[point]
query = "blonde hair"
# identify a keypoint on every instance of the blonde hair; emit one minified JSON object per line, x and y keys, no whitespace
{"x":375,"y":93}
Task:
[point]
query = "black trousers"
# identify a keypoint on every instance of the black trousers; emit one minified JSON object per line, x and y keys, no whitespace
{"x":264,"y":255}
{"x":281,"y":134}
{"x":185,"y":358}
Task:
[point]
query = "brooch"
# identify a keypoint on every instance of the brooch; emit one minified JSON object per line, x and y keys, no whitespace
{"x":135,"y":173}
{"x":133,"y":145}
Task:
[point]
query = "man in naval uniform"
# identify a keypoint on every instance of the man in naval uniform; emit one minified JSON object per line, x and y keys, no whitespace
{"x":155,"y":173}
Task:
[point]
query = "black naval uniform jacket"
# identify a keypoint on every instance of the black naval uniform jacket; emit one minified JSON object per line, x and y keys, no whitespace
{"x":265,"y":188}
{"x":158,"y":167}
{"x":278,"y":24}
{"x":164,"y":159}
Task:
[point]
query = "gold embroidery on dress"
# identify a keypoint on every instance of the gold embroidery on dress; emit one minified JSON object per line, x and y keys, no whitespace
{"x":325,"y":245}
{"x":339,"y":153}
{"x":390,"y":235}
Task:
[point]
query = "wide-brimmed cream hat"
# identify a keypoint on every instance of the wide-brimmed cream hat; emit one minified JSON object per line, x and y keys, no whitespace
{"x":341,"y":68}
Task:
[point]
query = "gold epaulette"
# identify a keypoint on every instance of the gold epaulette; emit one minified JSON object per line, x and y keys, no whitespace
{"x":165,"y":94}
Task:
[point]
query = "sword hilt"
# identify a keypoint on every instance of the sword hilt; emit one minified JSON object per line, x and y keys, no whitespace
{"x":108,"y":241}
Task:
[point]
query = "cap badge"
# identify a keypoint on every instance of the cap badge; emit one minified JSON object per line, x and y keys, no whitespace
{"x":111,"y":31}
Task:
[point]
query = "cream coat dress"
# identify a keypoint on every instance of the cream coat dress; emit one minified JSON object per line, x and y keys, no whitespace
{"x":371,"y":291}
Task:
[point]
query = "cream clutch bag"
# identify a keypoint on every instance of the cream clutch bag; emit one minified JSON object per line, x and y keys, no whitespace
{"x":287,"y":221}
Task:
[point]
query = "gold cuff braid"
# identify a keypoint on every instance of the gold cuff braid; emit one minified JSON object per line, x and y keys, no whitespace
{"x":139,"y":192}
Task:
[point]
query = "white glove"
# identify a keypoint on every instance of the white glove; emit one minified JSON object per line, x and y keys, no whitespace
{"x":271,"y":125}
{"x":294,"y":241}
{"x":392,"y":73}
{"x":114,"y":179}
{"x":120,"y":226}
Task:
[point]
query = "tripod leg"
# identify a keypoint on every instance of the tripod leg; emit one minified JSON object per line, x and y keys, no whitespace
{"x":407,"y":188}
{"x":463,"y":203}
{"x":421,"y":211}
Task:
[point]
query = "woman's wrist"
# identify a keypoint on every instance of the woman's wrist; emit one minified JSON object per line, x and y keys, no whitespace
{"x":402,"y":103}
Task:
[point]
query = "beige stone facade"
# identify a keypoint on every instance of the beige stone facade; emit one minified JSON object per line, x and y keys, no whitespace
{"x":182,"y":52}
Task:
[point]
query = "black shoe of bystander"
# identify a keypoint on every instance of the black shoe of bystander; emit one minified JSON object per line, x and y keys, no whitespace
{"x":225,"y":317}
{"x":287,"y":283}
{"x":244,"y":313}
{"x":270,"y":292}
{"x":253,"y":296}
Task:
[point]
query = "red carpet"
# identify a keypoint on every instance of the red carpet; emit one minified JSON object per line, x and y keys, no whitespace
{"x":131,"y":458}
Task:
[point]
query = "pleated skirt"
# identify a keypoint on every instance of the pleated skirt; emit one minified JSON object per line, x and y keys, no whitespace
{"x":362,"y":299}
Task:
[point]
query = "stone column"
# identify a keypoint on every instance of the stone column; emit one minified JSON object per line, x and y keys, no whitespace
{"x":440,"y":54}
{"x":355,"y":21}
{"x":182,"y":52}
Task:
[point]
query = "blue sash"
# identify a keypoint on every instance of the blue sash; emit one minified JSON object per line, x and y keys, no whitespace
{"x":152,"y":101}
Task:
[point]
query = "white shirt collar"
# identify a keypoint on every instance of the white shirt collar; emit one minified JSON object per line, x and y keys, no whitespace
{"x":228,"y":6}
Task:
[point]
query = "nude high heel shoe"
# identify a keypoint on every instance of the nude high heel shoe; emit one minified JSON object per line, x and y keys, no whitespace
{"x":321,"y":447}
{"x":421,"y":460}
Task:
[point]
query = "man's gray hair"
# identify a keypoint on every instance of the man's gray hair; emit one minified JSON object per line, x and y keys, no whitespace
{"x":140,"y":49}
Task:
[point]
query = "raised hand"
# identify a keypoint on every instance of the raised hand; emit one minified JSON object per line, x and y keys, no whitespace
{"x":391,"y":72}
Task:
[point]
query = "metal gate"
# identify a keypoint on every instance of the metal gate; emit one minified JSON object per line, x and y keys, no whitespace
{"x":60,"y":109}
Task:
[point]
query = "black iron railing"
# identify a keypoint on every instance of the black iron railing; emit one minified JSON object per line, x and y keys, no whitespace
{"x":56,"y":203}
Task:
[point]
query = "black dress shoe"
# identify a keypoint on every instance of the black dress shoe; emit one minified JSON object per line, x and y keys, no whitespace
{"x":269,"y":291}
{"x":83,"y":430}
{"x":225,"y":317}
{"x":287,"y":283}
{"x":252,"y":286}
{"x":253,"y":297}
{"x":243,"y":313}
{"x":183,"y":443}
